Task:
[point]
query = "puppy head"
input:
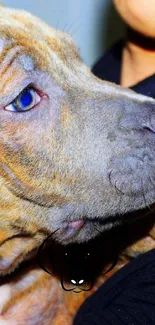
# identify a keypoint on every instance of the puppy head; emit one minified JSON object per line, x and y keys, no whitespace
{"x":74,"y":150}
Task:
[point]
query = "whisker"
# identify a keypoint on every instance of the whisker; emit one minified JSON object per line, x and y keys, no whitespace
{"x":69,"y":27}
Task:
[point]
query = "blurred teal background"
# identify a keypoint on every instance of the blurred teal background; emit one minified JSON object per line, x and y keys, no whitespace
{"x":93,"y":24}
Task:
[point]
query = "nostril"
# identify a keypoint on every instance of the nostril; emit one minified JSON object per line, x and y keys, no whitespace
{"x":77,"y":282}
{"x":73,"y":281}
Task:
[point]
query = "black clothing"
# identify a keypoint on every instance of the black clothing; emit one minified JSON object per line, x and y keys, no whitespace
{"x":128,"y":297}
{"x":109,"y":68}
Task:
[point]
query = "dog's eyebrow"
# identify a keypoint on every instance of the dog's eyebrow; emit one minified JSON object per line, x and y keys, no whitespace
{"x":10,"y":53}
{"x":26,"y":62}
{"x":13,"y":52}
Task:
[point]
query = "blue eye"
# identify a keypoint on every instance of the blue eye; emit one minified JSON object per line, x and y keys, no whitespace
{"x":26,"y":100}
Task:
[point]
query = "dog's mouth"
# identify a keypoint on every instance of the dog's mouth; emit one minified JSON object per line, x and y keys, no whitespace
{"x":80,"y":228}
{"x":94,"y":226}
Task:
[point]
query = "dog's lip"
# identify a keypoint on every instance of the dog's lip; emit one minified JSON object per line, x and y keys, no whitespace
{"x":76,"y":224}
{"x":71,"y":228}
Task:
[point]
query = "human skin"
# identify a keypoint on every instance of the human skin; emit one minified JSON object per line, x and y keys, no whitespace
{"x":138,"y":60}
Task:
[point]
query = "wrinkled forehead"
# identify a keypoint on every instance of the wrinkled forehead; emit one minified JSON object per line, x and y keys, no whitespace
{"x":33,"y":37}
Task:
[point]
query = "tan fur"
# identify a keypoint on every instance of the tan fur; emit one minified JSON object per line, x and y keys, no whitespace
{"x":56,"y":160}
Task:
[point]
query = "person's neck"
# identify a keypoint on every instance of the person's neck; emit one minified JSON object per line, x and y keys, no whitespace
{"x":138,"y":58}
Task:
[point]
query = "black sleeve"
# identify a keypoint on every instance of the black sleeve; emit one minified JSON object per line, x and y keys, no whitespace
{"x":127,"y":298}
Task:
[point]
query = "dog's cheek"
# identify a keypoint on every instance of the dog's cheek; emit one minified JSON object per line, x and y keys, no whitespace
{"x":12,"y":252}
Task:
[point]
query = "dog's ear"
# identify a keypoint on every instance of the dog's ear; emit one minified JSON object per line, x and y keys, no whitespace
{"x":12,"y":252}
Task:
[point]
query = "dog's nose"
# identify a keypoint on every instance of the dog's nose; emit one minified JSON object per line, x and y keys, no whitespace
{"x":77,"y":282}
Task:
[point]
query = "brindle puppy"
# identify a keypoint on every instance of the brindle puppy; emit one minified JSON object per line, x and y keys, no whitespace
{"x":74,"y":151}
